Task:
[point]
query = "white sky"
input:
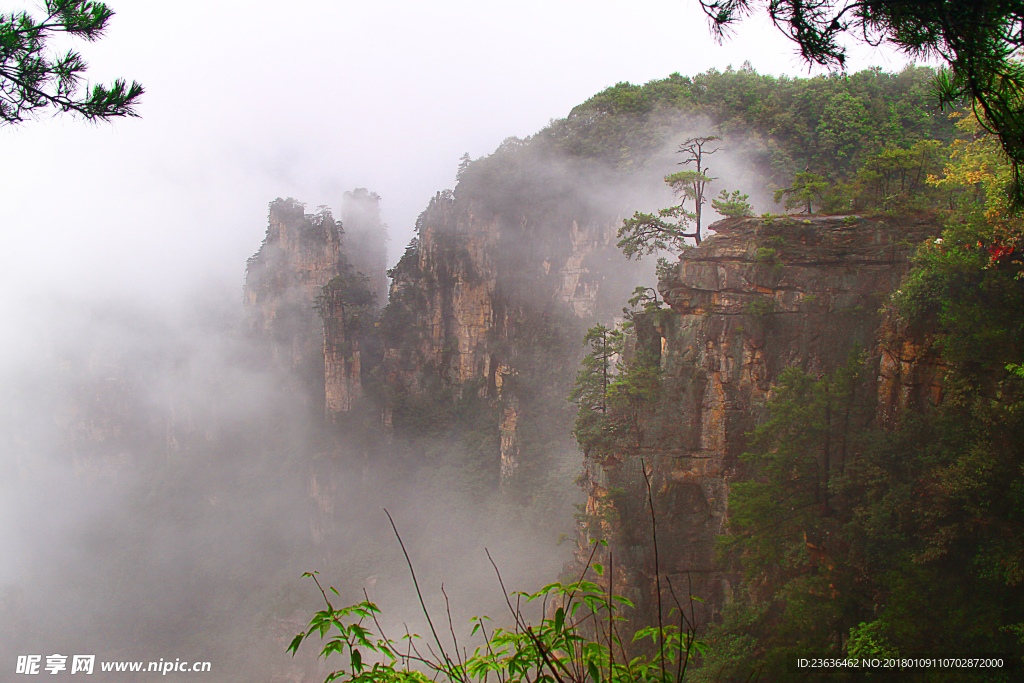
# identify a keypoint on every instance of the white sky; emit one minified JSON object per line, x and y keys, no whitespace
{"x":249,"y":101}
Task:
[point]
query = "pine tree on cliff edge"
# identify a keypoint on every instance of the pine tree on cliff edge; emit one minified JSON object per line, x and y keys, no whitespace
{"x":646,"y":233}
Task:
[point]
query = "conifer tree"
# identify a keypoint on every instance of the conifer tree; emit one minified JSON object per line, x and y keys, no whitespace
{"x":691,"y":183}
{"x":647,"y":233}
{"x":34,"y":79}
{"x":593,"y":382}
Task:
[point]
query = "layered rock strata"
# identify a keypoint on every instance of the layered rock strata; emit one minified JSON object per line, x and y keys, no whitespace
{"x":755,"y":298}
{"x":300,"y":254}
{"x":475,"y":289}
{"x":301,"y":291}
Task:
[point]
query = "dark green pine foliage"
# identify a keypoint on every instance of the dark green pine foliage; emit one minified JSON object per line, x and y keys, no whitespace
{"x":647,"y":233}
{"x":348,"y":293}
{"x":732,"y":205}
{"x":618,"y":384}
{"x":786,"y":523}
{"x":34,"y":79}
{"x":590,"y":394}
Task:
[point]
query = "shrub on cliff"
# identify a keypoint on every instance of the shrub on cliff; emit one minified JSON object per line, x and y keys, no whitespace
{"x":733,"y":205}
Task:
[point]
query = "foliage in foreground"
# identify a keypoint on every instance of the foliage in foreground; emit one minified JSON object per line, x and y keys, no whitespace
{"x":576,"y":640}
{"x":33,"y":80}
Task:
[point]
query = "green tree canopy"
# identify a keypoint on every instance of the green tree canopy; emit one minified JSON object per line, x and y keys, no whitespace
{"x":977,"y":39}
{"x":807,"y":189}
{"x":733,"y":205}
{"x":34,"y":79}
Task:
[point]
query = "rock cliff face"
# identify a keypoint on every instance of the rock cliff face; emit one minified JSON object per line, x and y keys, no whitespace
{"x":483,"y":296}
{"x":342,"y":358}
{"x":487,"y":307}
{"x":366,"y":240}
{"x":452,"y":267}
{"x":910,"y":372}
{"x":304,"y":297}
{"x":752,"y":300}
{"x":480,"y":270}
{"x":300,"y":254}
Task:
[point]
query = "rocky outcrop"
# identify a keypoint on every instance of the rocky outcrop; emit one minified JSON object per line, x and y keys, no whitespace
{"x":475,"y":290}
{"x":365,"y":240}
{"x":300,"y":254}
{"x":910,"y":372}
{"x":342,"y":360}
{"x":306,"y":301}
{"x":755,"y":298}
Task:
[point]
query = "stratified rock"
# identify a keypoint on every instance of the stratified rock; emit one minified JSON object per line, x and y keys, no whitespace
{"x":755,"y":298}
{"x":306,"y":302}
{"x":480,"y":284}
{"x":300,"y":254}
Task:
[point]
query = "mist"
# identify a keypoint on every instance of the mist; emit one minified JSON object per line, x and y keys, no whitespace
{"x":163,"y":486}
{"x":163,"y":493}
